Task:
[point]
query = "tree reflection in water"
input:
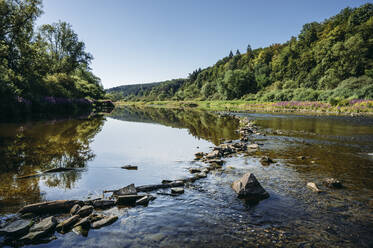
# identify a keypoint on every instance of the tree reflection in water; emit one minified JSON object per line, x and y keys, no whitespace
{"x":33,"y":147}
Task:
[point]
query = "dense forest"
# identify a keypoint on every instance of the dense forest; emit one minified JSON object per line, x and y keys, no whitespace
{"x":41,"y":66}
{"x":328,"y":60}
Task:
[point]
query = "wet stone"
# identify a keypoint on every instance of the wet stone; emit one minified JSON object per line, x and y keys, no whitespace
{"x":313,"y":187}
{"x":84,"y":211}
{"x":332,"y":183}
{"x":128,"y":190}
{"x":177,"y":190}
{"x":68,"y":223}
{"x":16,"y":228}
{"x":74,"y":209}
{"x":103,"y":203}
{"x":104,"y":222}
{"x":249,"y":188}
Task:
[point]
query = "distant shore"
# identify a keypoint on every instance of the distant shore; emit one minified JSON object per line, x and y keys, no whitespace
{"x":352,"y":107}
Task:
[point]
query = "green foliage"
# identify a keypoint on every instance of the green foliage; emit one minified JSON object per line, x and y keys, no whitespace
{"x":313,"y":66}
{"x":51,"y":62}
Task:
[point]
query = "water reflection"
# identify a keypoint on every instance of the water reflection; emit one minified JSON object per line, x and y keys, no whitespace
{"x":34,"y":147}
{"x":201,"y":124}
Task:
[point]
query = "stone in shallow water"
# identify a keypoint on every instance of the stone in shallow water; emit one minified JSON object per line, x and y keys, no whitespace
{"x":103,"y":203}
{"x":249,"y":188}
{"x":266,"y":160}
{"x":66,"y":224}
{"x":128,"y":190}
{"x":49,"y":207}
{"x":128,"y":199}
{"x":333,"y":183}
{"x":313,"y":187}
{"x":40,"y":230}
{"x":104,"y":222}
{"x":84,"y":211}
{"x":129,"y":167}
{"x":16,"y":228}
{"x":74,"y":209}
{"x":177,"y":190}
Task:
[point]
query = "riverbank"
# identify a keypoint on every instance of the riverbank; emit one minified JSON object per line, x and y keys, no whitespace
{"x":352,"y":107}
{"x":51,"y":107}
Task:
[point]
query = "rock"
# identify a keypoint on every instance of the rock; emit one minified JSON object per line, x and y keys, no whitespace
{"x":95,"y":217}
{"x":313,"y":187}
{"x":74,"y":209}
{"x":166,"y":181}
{"x":205,"y":170}
{"x":177,"y":190}
{"x":194,"y":170}
{"x":252,"y":146}
{"x":143,"y":201}
{"x":129,"y":167}
{"x":202,"y":175}
{"x":49,"y":207}
{"x":147,"y":188}
{"x":128,"y":190}
{"x":332,"y":183}
{"x":85,"y":222}
{"x":177,"y":183}
{"x":16,"y":228}
{"x":81,"y":230}
{"x":85,"y":211}
{"x":67,"y":224}
{"x":47,"y":225}
{"x":103,"y":203}
{"x":42,"y":229}
{"x":213,"y":154}
{"x":215,"y":161}
{"x":199,"y":155}
{"x":301,"y":157}
{"x":128,"y":199}
{"x":104,"y":222}
{"x":249,"y":188}
{"x":266,"y":160}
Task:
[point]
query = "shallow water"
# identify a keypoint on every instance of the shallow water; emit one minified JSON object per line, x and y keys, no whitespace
{"x":162,"y":143}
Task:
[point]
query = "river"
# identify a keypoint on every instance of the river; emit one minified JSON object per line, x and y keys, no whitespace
{"x":162,"y":143}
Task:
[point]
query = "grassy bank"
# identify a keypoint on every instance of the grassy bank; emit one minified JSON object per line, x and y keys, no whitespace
{"x":358,"y":107}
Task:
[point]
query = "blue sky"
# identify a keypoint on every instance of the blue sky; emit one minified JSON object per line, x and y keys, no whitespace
{"x":140,"y":41}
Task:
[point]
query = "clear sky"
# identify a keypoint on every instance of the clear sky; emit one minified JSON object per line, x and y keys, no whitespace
{"x":140,"y":41}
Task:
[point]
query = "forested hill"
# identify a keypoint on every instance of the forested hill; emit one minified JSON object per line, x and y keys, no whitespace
{"x":331,"y":59}
{"x":131,"y":89}
{"x":41,"y":66}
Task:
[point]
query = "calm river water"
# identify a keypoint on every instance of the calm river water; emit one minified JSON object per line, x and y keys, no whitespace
{"x":162,"y":143}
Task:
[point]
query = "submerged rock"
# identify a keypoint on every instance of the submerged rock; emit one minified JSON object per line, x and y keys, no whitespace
{"x":177,"y":190}
{"x":332,"y":183}
{"x":194,"y":170}
{"x":313,"y":187}
{"x":266,"y":160}
{"x":104,"y":222}
{"x":249,"y":188}
{"x":16,"y":228}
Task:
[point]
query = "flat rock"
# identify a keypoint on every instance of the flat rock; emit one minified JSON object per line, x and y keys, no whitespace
{"x":332,"y":183}
{"x":313,"y":187}
{"x":128,"y":190}
{"x":81,"y":230}
{"x":16,"y":228}
{"x":104,"y":222}
{"x":253,"y":146}
{"x":103,"y":203}
{"x":143,"y":201}
{"x":213,"y":154}
{"x":202,"y":175}
{"x":33,"y":237}
{"x":74,"y":209}
{"x":67,"y":224}
{"x":249,"y":188}
{"x":85,"y":211}
{"x":128,"y":199}
{"x":177,"y":190}
{"x":199,"y":155}
{"x":49,"y":207}
{"x":47,"y":225}
{"x":85,"y":222}
{"x":215,"y":161}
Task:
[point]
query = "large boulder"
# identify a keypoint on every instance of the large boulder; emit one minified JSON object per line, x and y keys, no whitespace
{"x":249,"y":188}
{"x":128,"y":190}
{"x":40,"y":230}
